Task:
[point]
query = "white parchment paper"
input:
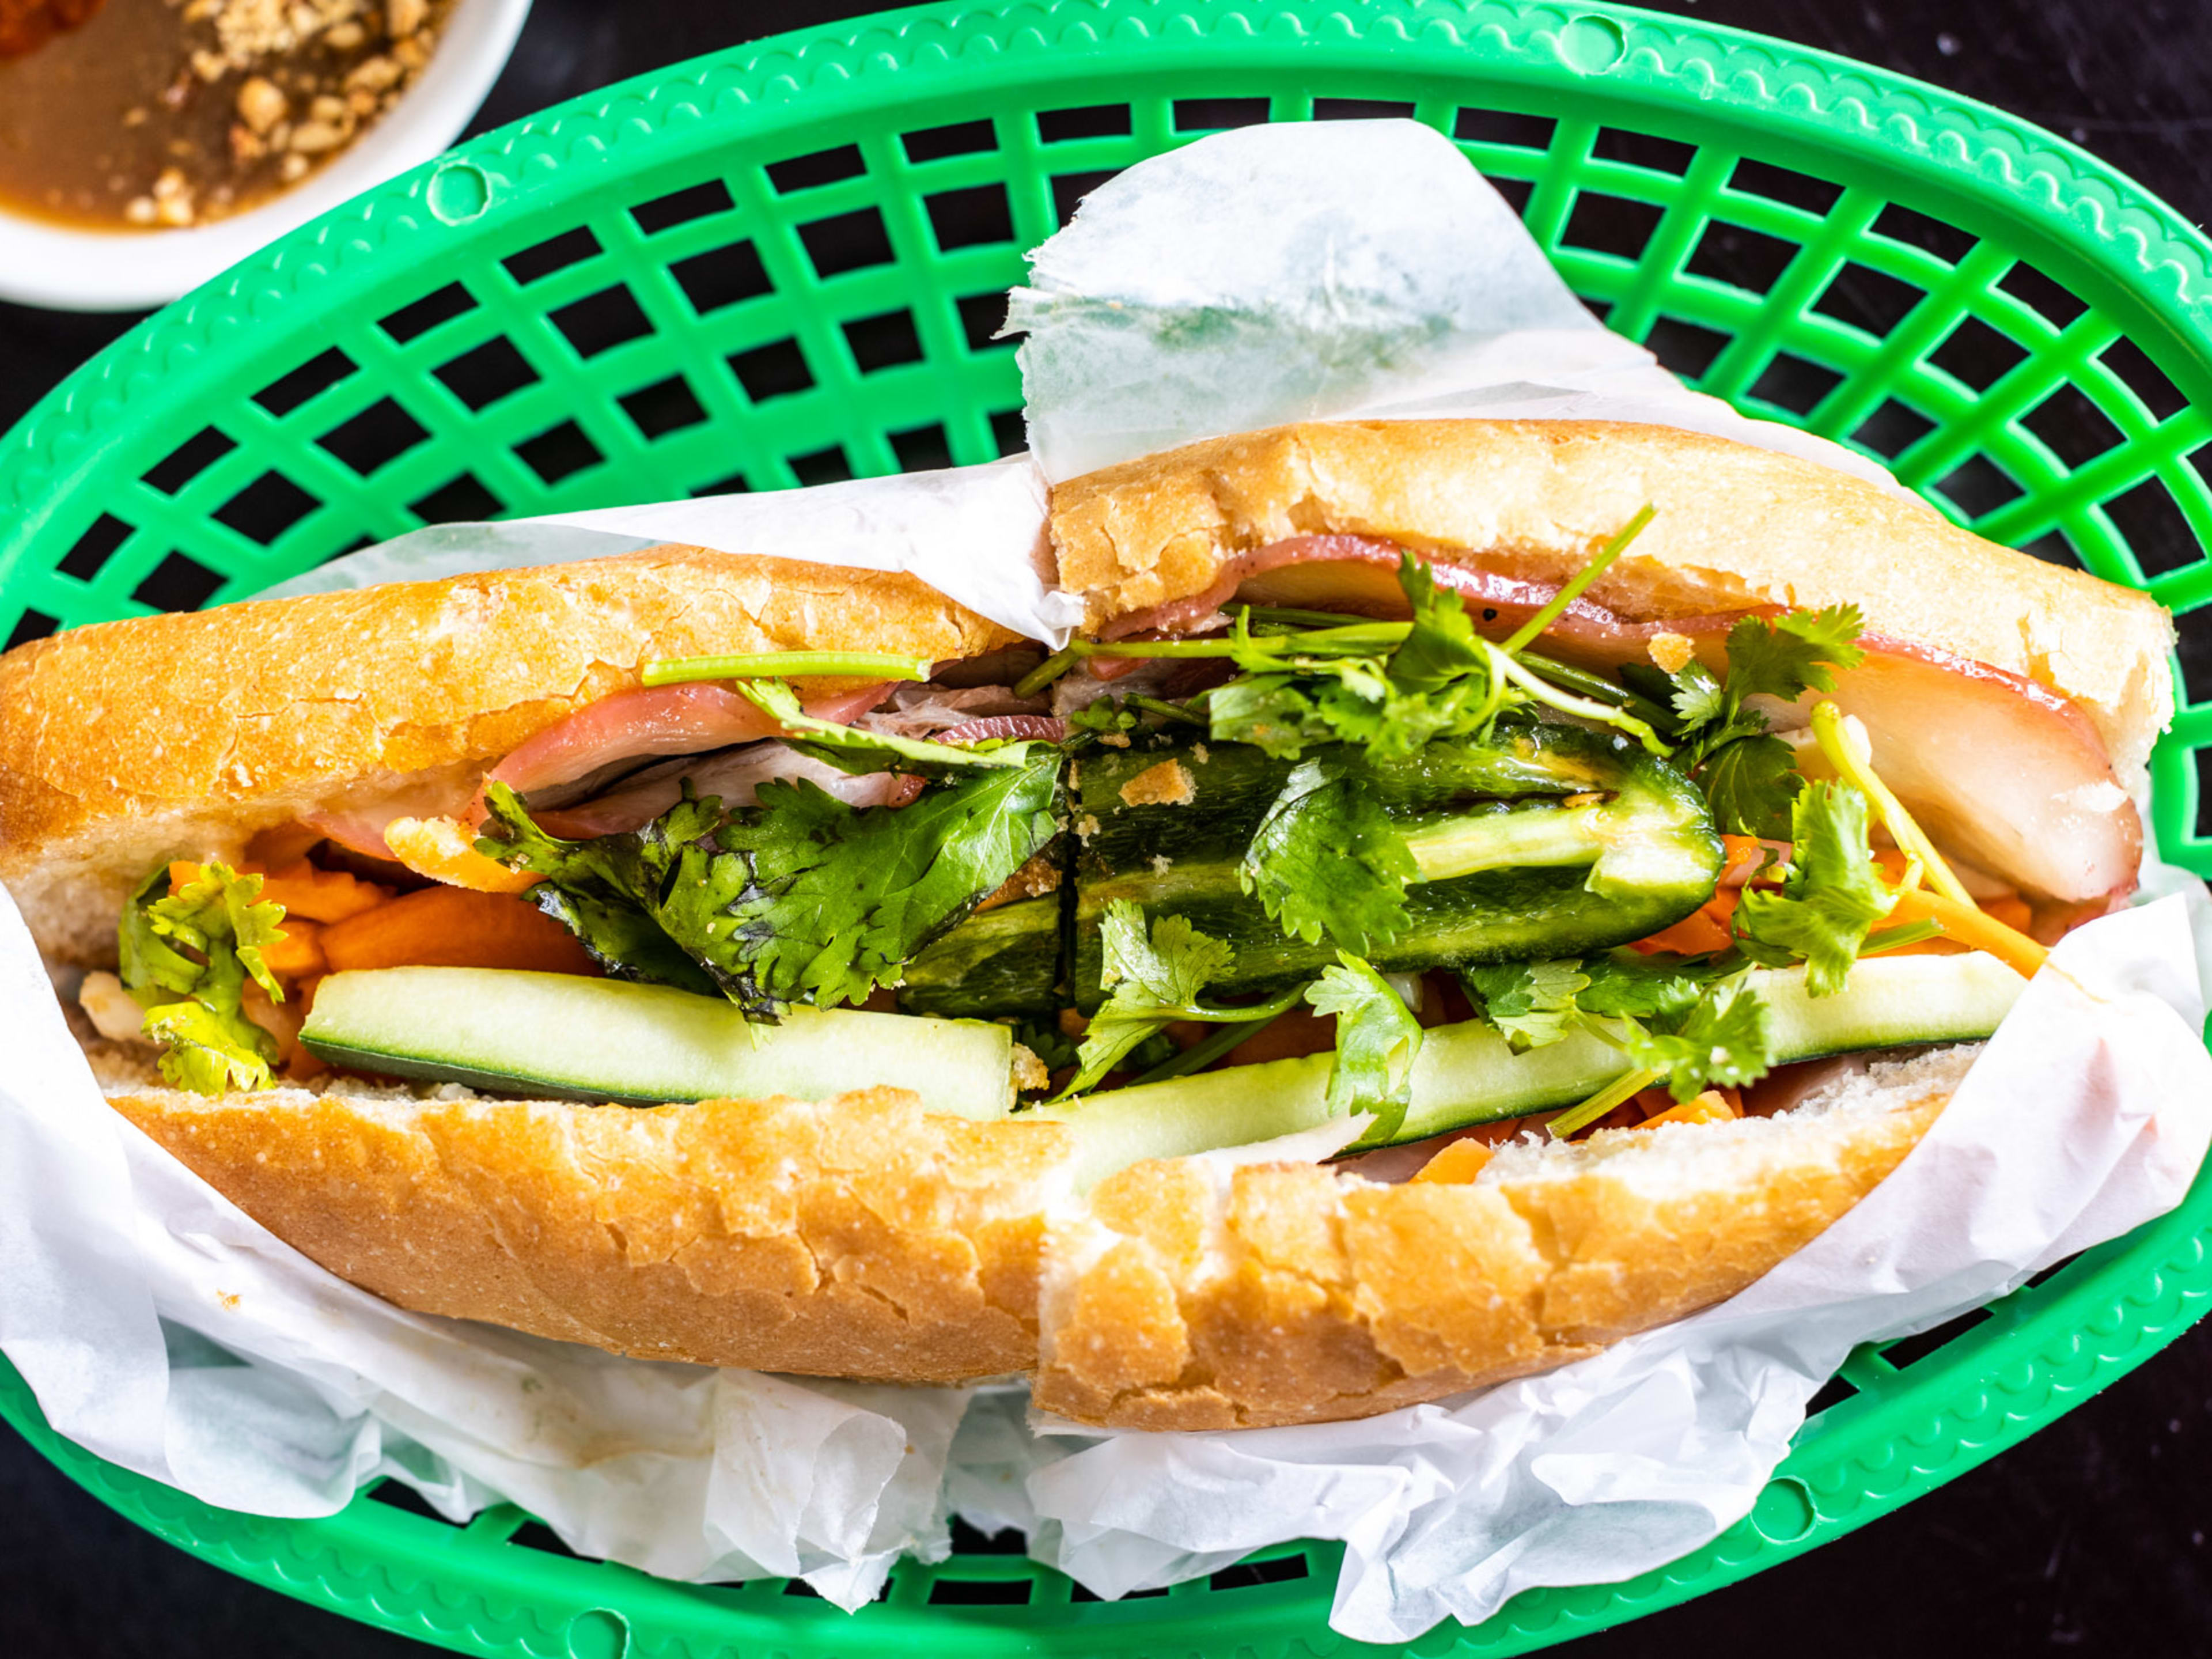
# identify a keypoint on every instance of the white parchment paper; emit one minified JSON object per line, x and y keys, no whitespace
{"x":974,"y":533}
{"x":1334,"y":270}
{"x":1360,"y":268}
{"x":165,"y":1330}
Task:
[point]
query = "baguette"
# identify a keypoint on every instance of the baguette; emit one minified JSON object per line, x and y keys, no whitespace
{"x":863,"y":1237}
{"x":860,"y":1235}
{"x":124,"y":742}
{"x":1736,"y":527}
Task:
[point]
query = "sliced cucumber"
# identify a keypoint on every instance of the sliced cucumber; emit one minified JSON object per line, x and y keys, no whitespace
{"x":1467,"y":1074}
{"x":1001,"y":961}
{"x":567,"y":1038}
{"x":1507,"y":867}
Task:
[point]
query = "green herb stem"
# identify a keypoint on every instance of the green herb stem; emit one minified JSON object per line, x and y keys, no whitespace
{"x":1174,"y":711}
{"x":1046,"y":673}
{"x":1890,"y":938}
{"x":792,"y":665}
{"x":1844,"y":741}
{"x":1595,"y":687}
{"x":1529,"y":630}
{"x":1203,"y":1053}
{"x":1575,"y":1119}
{"x":1507,"y":667}
{"x":1282,"y":1005}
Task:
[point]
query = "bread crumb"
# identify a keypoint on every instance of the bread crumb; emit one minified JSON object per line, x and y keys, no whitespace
{"x":1114,"y":739}
{"x":1168,"y":784}
{"x":1086,"y":826}
{"x":1028,"y":1070}
{"x":1200,"y":753}
{"x":1672,"y":651}
{"x":1162,"y":863}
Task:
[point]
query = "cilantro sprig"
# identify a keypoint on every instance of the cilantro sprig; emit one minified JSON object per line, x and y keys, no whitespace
{"x":1326,"y":859}
{"x":185,"y":957}
{"x":1749,"y":775}
{"x":1155,"y":977}
{"x":1309,"y":678}
{"x":1378,"y":1040}
{"x":800,"y":899}
{"x":1831,"y":892}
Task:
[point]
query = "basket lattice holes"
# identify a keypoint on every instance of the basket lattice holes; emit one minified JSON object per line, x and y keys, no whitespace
{"x":831,"y":314}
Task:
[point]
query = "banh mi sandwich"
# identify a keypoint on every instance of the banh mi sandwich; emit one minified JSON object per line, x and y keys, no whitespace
{"x":1599,"y":848}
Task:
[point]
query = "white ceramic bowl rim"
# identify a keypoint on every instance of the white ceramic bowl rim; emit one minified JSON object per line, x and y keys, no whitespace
{"x":43,"y":263}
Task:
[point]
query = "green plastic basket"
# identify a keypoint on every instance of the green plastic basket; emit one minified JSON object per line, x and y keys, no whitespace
{"x":784,"y":264}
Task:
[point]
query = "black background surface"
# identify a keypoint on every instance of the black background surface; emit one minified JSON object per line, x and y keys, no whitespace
{"x":2090,"y":1538}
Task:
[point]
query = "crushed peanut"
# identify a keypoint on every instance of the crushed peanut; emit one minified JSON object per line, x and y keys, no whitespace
{"x":1671,"y":652}
{"x":263,"y":92}
{"x":1168,"y":784}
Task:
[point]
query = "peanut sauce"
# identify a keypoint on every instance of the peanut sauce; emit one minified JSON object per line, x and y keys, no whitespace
{"x":151,"y":114}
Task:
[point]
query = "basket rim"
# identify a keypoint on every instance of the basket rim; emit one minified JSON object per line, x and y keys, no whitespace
{"x":2119,"y":240}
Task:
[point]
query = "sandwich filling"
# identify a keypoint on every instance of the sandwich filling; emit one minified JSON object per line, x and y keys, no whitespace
{"x":1351,"y":832}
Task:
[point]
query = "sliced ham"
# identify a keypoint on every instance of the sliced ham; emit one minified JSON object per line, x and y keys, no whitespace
{"x":734,"y":776}
{"x":2004,"y":772}
{"x":660,"y":720}
{"x":1996,"y":768}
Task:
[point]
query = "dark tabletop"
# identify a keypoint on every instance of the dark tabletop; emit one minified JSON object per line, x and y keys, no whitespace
{"x":2089,"y":1539}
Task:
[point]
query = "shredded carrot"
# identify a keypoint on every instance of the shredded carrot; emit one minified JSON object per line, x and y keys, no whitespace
{"x":443,"y":850}
{"x":452,"y":927}
{"x":1458,"y":1163}
{"x":1705,"y":928}
{"x":305,"y":892}
{"x":1741,"y":852}
{"x":316,"y":895}
{"x":296,"y":953}
{"x":1970,"y":926}
{"x":1714,"y":1106}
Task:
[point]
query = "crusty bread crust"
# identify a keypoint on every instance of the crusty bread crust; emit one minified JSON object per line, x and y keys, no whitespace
{"x":1736,"y":526}
{"x":125,"y":742}
{"x":1279,"y":1293}
{"x":860,"y":1238}
{"x":864,"y":1237}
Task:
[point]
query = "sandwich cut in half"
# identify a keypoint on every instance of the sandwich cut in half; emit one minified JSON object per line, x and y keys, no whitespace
{"x":1601,"y":846}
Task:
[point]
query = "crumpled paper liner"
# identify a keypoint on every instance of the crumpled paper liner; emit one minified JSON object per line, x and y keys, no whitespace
{"x":1330,"y":270}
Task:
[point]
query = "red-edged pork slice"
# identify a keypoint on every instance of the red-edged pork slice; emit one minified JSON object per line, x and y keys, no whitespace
{"x":734,"y":776}
{"x":661,"y":719}
{"x":2004,"y":772}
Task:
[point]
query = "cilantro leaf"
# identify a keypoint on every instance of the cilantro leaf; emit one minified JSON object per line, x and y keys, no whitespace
{"x":1533,"y":1003}
{"x":1751,"y":785}
{"x":851,"y":749}
{"x":1442,"y":646}
{"x":1660,"y":985}
{"x":1153,"y":977}
{"x":1786,"y":656}
{"x":1377,"y":1039}
{"x":1726,"y":1040}
{"x":1697,"y":697}
{"x":185,"y":957}
{"x":1327,"y":860}
{"x":800,"y":899}
{"x":1276,"y":713}
{"x":208,"y":1052}
{"x":1832,"y":894}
